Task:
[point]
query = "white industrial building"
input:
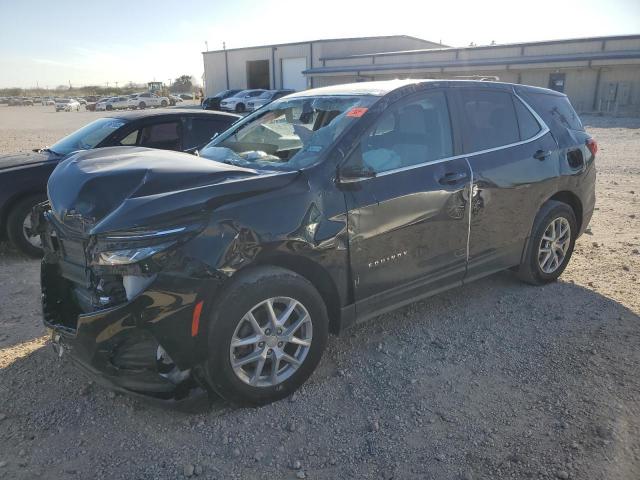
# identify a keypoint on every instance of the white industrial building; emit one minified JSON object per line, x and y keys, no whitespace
{"x":598,"y":73}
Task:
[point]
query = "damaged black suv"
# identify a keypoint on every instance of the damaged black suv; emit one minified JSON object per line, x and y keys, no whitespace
{"x":172,"y":275}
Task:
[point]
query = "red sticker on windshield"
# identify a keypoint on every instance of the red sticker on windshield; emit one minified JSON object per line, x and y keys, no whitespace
{"x":357,"y":112}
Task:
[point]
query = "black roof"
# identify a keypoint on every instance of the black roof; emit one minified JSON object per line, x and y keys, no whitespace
{"x":138,"y":114}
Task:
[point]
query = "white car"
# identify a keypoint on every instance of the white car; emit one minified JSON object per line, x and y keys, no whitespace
{"x":67,"y":105}
{"x":146,"y":100}
{"x":238,"y":103}
{"x":101,"y":106}
{"x":117,"y":103}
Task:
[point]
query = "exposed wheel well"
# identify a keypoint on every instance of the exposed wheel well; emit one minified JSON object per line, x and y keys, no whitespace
{"x":318,"y":276}
{"x":573,"y":201}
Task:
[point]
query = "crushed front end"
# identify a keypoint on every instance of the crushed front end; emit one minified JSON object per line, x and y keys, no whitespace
{"x":126,"y":306}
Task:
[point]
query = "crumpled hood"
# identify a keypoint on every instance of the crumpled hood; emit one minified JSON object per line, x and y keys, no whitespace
{"x":117,"y":188}
{"x":23,"y":159}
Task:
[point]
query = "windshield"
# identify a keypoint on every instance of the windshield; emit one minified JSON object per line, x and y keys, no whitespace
{"x":266,"y":95}
{"x":288,"y":134}
{"x":88,"y":136}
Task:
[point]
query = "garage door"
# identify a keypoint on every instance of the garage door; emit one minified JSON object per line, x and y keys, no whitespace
{"x":292,"y":76}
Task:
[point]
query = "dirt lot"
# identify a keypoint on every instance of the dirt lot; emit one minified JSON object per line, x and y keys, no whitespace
{"x":493,"y":380}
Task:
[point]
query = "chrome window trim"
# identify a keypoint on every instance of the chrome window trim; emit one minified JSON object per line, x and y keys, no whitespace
{"x":544,"y":129}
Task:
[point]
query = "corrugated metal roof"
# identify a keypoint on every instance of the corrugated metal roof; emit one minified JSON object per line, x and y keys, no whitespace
{"x":520,"y":60}
{"x":382,"y":37}
{"x":488,"y":47}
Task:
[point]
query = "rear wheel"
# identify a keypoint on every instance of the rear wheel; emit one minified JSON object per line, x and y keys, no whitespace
{"x":19,"y":228}
{"x":551,"y":244}
{"x":266,"y":336}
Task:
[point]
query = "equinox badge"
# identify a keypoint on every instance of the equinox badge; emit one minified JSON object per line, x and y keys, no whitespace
{"x":390,"y":258}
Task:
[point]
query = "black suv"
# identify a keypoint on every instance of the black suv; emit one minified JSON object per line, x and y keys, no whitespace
{"x":170,"y":275}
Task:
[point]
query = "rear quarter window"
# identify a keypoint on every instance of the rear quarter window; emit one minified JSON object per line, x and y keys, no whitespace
{"x":527,"y":123}
{"x":554,"y":109}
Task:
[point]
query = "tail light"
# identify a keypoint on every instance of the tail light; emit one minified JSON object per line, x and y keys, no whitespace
{"x":592,"y":145}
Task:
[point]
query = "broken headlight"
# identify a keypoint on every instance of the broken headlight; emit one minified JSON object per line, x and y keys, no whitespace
{"x":130,"y":255}
{"x":130,"y":247}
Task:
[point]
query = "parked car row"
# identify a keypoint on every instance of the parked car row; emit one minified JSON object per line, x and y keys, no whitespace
{"x":134,"y":101}
{"x":175,"y":275}
{"x":18,"y":101}
{"x":240,"y":101}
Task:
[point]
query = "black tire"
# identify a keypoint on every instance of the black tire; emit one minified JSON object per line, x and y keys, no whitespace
{"x":529,"y":270}
{"x":246,"y":291}
{"x":142,"y":105}
{"x":164,"y":103}
{"x":109,"y":107}
{"x":240,"y":108}
{"x":15,"y":221}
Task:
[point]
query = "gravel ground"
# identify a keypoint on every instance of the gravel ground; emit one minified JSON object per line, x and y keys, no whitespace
{"x":492,"y":380}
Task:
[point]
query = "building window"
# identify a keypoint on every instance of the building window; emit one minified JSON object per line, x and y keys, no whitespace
{"x":556,"y":82}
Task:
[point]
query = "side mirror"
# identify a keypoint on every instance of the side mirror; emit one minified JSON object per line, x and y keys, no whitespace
{"x":351,"y":174}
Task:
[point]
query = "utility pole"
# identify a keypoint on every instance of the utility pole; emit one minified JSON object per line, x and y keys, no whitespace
{"x":116,"y":84}
{"x":206,"y":46}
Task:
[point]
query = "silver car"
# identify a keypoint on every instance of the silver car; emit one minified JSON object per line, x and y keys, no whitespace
{"x":267,"y":97}
{"x":238,"y":103}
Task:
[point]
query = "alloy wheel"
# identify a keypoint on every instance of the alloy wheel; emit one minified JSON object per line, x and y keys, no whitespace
{"x":554,"y":245}
{"x":271,"y":342}
{"x":27,"y":230}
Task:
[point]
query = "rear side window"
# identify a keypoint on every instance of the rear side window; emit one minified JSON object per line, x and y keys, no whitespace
{"x":554,"y":110}
{"x":201,"y":130}
{"x":527,"y":123}
{"x":490,"y":119}
{"x":165,"y":136}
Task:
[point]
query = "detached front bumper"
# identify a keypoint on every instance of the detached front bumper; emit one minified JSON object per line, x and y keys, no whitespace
{"x":146,"y":346}
{"x":146,"y":337}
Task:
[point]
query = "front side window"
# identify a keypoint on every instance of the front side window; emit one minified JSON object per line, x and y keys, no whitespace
{"x":409,"y":134}
{"x":288,"y":134}
{"x":490,"y":119}
{"x":88,"y":136}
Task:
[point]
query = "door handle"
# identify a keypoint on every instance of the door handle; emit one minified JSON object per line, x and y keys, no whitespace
{"x":452,"y":178}
{"x":541,"y":155}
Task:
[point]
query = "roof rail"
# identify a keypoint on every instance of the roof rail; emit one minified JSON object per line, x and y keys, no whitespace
{"x":480,"y":78}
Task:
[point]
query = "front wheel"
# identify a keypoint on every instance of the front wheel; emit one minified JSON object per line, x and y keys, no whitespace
{"x":163,"y":103}
{"x":266,"y":336}
{"x":550,"y":246}
{"x":240,"y":108}
{"x":142,"y":105}
{"x":19,"y":229}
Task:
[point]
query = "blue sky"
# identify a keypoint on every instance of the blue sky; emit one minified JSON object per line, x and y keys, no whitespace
{"x":88,"y":42}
